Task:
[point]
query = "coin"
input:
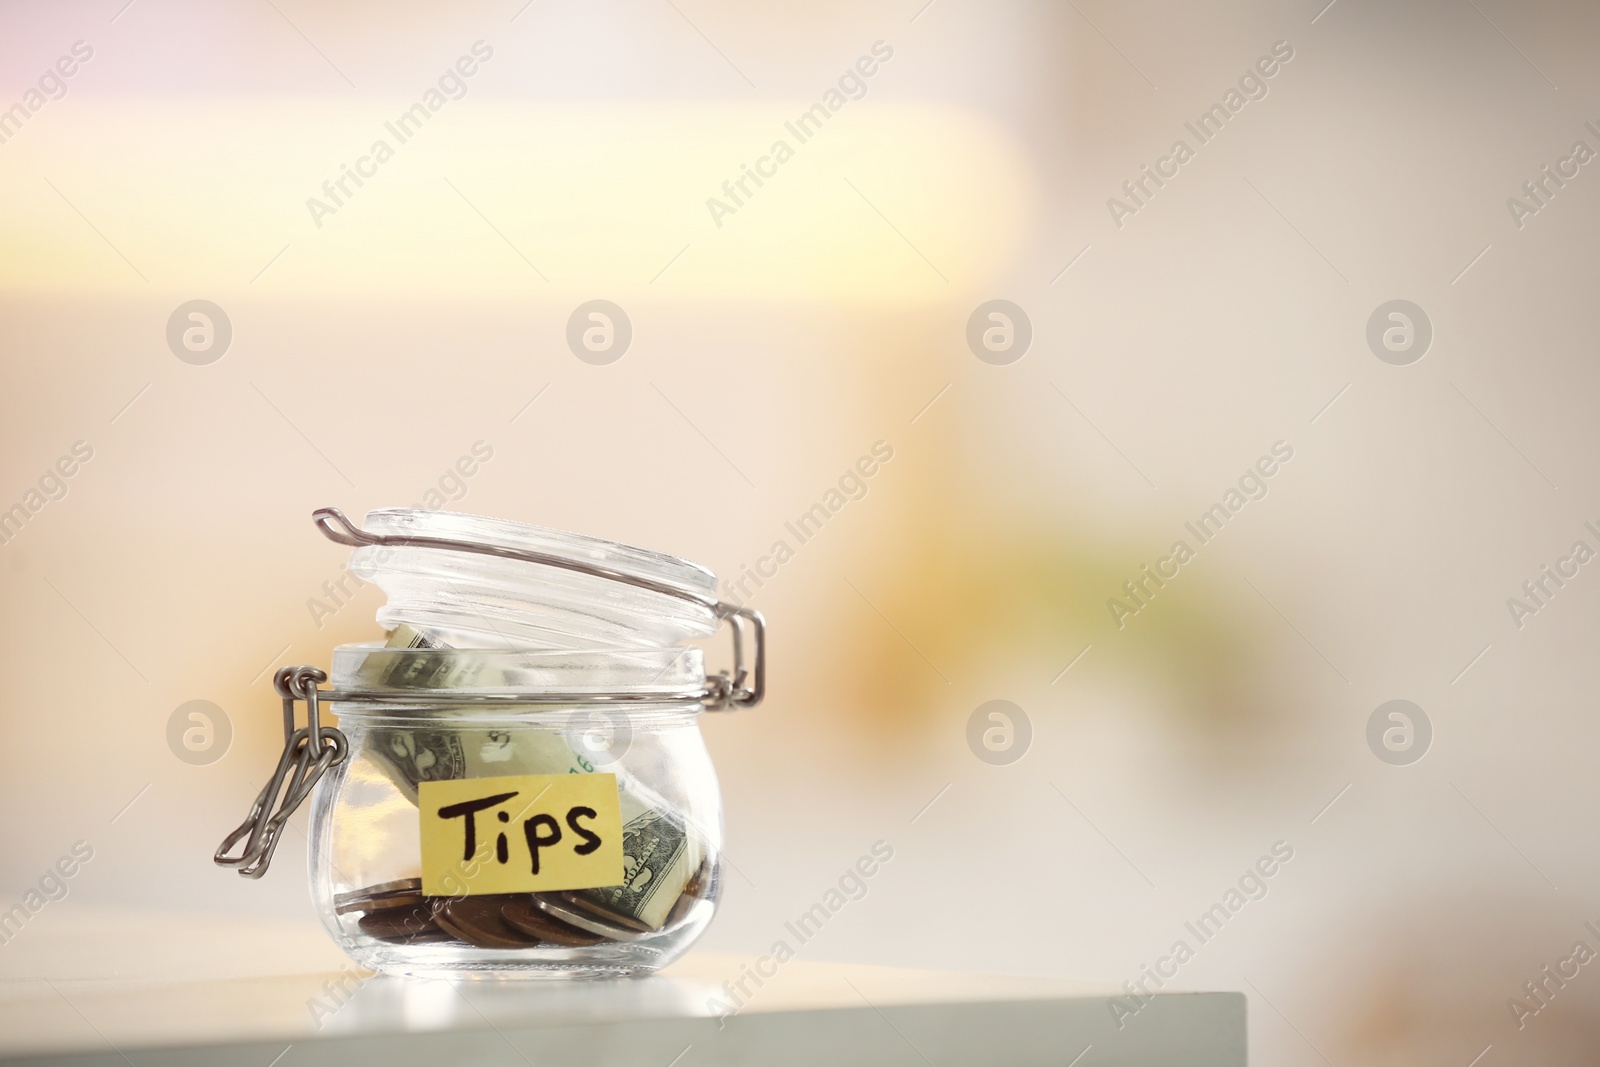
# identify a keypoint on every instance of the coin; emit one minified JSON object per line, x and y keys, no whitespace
{"x":413,"y":885}
{"x":477,"y":921}
{"x":701,"y":886}
{"x":561,"y":909}
{"x":522,"y":915}
{"x":703,"y":879}
{"x":680,"y":910}
{"x":386,"y":902}
{"x":398,"y":922}
{"x":384,"y":894}
{"x":601,"y":912}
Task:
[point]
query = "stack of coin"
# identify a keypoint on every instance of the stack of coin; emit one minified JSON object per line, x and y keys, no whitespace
{"x":393,"y":911}
{"x":400,"y":913}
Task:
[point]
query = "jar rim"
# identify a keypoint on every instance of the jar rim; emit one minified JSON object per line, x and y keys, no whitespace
{"x":434,"y":673}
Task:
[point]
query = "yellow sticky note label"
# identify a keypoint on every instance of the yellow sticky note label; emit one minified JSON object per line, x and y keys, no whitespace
{"x":520,"y":834}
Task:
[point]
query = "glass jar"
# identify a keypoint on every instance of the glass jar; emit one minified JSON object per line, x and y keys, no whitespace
{"x":517,"y":785}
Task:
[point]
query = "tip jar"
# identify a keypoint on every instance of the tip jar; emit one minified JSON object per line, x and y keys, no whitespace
{"x":517,"y":785}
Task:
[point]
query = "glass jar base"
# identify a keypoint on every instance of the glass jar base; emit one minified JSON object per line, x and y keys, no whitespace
{"x":522,"y":972}
{"x":465,"y":962}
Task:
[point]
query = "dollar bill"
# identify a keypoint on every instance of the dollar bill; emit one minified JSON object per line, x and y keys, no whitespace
{"x":660,"y":850}
{"x":655,"y":856}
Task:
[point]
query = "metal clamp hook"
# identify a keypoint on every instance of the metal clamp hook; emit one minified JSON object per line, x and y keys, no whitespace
{"x":308,"y":753}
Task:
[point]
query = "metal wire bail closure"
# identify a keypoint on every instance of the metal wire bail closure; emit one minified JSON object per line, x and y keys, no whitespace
{"x":305,"y":761}
{"x":744,"y":689}
{"x":308,"y":752}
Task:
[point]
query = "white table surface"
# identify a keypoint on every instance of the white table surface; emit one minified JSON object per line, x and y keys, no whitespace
{"x":144,"y":989}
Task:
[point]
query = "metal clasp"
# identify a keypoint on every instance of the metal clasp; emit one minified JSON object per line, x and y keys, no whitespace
{"x":308,"y":752}
{"x":733,"y":690}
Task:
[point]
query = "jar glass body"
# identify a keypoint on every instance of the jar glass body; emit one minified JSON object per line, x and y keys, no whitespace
{"x":365,"y":853}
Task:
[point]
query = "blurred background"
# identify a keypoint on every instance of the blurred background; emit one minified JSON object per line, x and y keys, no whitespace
{"x":1158,"y":340}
